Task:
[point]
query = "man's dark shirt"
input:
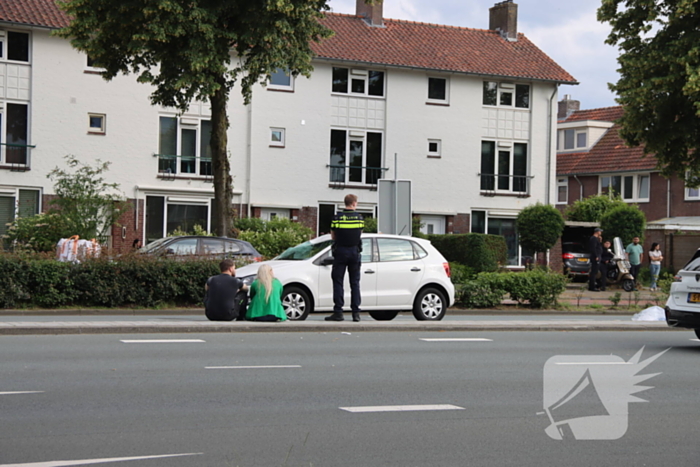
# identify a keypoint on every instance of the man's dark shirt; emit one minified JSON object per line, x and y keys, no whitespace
{"x":219,"y":299}
{"x":595,"y":248}
{"x":607,"y":255}
{"x":347,"y":228}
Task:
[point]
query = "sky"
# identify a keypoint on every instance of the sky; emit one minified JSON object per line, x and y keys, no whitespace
{"x":566,"y":30}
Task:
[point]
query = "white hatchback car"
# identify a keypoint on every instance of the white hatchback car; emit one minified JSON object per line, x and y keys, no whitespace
{"x":683,"y":304}
{"x":398,"y":273}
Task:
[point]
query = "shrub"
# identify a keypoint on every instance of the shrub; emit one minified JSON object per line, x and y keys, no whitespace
{"x":538,"y":287}
{"x":480,"y":252}
{"x":38,"y":233}
{"x":271,"y":238}
{"x":539,"y":227}
{"x":625,"y":222}
{"x":460,"y":273}
{"x":486,"y":291}
{"x":593,"y":208}
{"x":370,"y":225}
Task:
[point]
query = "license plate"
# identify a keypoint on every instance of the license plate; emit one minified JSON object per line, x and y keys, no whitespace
{"x":694,"y":298}
{"x":582,"y":260}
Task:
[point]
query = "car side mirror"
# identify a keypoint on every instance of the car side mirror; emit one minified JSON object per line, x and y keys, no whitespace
{"x":327,"y":261}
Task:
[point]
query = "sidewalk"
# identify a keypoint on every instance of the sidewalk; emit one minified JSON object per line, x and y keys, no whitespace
{"x":571,"y":296}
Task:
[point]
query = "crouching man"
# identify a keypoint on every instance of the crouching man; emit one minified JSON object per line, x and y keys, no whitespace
{"x":226,"y":295}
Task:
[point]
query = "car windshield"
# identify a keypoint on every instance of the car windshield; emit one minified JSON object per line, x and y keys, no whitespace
{"x":304,"y":251}
{"x":154,"y":245}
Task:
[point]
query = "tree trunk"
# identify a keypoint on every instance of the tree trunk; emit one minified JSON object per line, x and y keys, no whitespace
{"x":222,"y":169}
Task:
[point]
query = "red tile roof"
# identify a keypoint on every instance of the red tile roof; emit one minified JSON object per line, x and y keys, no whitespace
{"x":436,"y":47}
{"x":33,"y":12}
{"x":610,"y":154}
{"x":604,"y":114}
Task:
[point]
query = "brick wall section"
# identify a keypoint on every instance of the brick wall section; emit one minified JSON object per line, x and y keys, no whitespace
{"x":308,"y":216}
{"x":127,"y":225}
{"x":46,"y":202}
{"x":460,"y":224}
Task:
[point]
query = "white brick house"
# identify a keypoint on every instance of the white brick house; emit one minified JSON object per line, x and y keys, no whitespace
{"x":471,"y":114}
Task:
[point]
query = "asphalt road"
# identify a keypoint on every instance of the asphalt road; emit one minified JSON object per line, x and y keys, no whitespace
{"x":295,"y":401}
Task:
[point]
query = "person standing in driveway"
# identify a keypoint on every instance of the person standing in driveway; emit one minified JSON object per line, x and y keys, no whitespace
{"x":595,"y":249}
{"x":634,"y":254}
{"x":604,"y":265}
{"x":346,"y":232}
{"x":655,"y":258}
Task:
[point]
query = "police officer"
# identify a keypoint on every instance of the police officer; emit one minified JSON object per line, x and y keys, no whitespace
{"x":346,"y":231}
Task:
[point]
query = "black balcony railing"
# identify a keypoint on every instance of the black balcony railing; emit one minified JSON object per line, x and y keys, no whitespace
{"x":504,"y":183}
{"x":342,"y":175}
{"x":184,"y":165}
{"x":17,"y":154}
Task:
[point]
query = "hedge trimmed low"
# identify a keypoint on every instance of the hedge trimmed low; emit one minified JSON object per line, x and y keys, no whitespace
{"x":131,"y":280}
{"x":480,"y":252}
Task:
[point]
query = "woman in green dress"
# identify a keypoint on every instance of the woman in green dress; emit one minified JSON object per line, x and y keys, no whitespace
{"x":266,"y":297}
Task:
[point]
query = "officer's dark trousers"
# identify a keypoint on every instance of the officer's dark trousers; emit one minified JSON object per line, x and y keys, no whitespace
{"x":603,"y":268}
{"x":346,"y":258}
{"x":592,"y":275}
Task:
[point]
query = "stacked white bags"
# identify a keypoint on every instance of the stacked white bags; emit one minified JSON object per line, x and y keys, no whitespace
{"x":73,"y":249}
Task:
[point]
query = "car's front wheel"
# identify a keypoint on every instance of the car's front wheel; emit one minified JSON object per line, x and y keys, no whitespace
{"x":296,"y":303}
{"x":382,"y":315}
{"x":430,"y":305}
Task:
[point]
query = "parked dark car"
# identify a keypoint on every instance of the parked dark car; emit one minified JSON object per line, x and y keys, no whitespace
{"x":576,"y":259}
{"x":202,"y":246}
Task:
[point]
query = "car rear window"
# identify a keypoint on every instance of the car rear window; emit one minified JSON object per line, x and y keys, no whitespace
{"x":694,"y":265}
{"x":574,"y":248}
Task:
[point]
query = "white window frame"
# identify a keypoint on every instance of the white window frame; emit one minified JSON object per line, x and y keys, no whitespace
{"x":504,"y":88}
{"x":444,"y":101}
{"x":281,"y":87}
{"x":359,"y":135}
{"x":563,"y":182}
{"x":277,"y":143}
{"x":508,"y":146}
{"x":190,"y":123}
{"x":103,"y":127}
{"x":4,"y":40}
{"x":636,"y":185}
{"x":577,"y":132}
{"x":3,"y":132}
{"x":360,"y":74}
{"x":269,"y":214}
{"x":437,"y":153}
{"x":94,"y":69}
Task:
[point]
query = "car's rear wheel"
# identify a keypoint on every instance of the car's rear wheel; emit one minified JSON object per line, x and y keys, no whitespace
{"x":628,"y":285}
{"x":383,"y":315}
{"x":296,"y":303}
{"x":697,"y":333}
{"x":430,"y":305}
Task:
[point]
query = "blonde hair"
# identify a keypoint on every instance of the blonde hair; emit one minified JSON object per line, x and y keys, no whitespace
{"x":265,"y":277}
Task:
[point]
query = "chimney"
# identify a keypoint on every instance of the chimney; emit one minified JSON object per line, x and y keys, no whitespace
{"x":567,"y":106}
{"x":503,"y":17}
{"x":372,"y":14}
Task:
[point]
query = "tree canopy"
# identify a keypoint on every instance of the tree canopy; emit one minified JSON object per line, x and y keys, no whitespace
{"x":625,"y":222}
{"x":198,"y":49}
{"x":592,"y":208}
{"x":659,"y":83}
{"x":539,"y":227}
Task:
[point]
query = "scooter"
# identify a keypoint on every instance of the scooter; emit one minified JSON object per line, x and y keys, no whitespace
{"x":619,"y":268}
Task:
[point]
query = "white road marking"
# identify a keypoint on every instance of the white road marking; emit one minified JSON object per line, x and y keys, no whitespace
{"x":455,"y":339}
{"x":588,"y":363}
{"x":696,"y":340}
{"x":6,"y":393}
{"x":95,"y":461}
{"x":159,"y":341}
{"x":399,"y":408}
{"x":249,"y":367}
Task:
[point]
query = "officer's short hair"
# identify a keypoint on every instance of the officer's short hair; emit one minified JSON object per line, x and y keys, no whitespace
{"x":350,"y":199}
{"x":226,"y":264}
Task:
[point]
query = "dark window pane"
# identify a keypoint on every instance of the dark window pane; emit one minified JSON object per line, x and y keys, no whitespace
{"x":374,"y":158}
{"x":168,"y":136}
{"x":205,"y":148}
{"x":356,"y":150}
{"x":506,"y":228}
{"x":212,"y":246}
{"x":186,"y":216}
{"x":581,"y":140}
{"x":507,"y":98}
{"x":569,"y":139}
{"x":155,"y":211}
{"x":325,"y":214}
{"x":628,"y":188}
{"x":376,"y":83}
{"x":503,"y":170}
{"x":18,"y":46}
{"x":522,"y":96}
{"x":17,"y":125}
{"x":189,"y":150}
{"x":616,"y":184}
{"x":340,"y":80}
{"x":337,"y":162}
{"x":432,"y":147}
{"x":519,"y":167}
{"x":281,"y":77}
{"x":28,"y":203}
{"x":358,"y":86}
{"x":437,"y":89}
{"x":490,"y":93}
{"x":479,"y":221}
{"x":7,"y":213}
{"x":488,"y":164}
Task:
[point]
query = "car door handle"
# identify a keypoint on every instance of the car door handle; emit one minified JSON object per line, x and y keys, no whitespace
{"x":415,"y":269}
{"x":369,"y":271}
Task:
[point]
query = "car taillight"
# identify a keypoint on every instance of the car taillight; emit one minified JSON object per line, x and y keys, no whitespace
{"x":677,"y":279}
{"x":568,"y":256}
{"x":447,"y":268}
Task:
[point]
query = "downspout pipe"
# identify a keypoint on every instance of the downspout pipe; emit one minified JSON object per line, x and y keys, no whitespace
{"x":580,"y":188}
{"x":549,"y":145}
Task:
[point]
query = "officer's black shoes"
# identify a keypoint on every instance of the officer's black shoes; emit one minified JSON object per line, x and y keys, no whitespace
{"x":335,"y":317}
{"x":356,"y":317}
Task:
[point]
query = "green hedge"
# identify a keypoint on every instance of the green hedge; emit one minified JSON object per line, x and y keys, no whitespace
{"x":130,"y":280}
{"x":480,"y":252}
{"x":537,"y":288}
